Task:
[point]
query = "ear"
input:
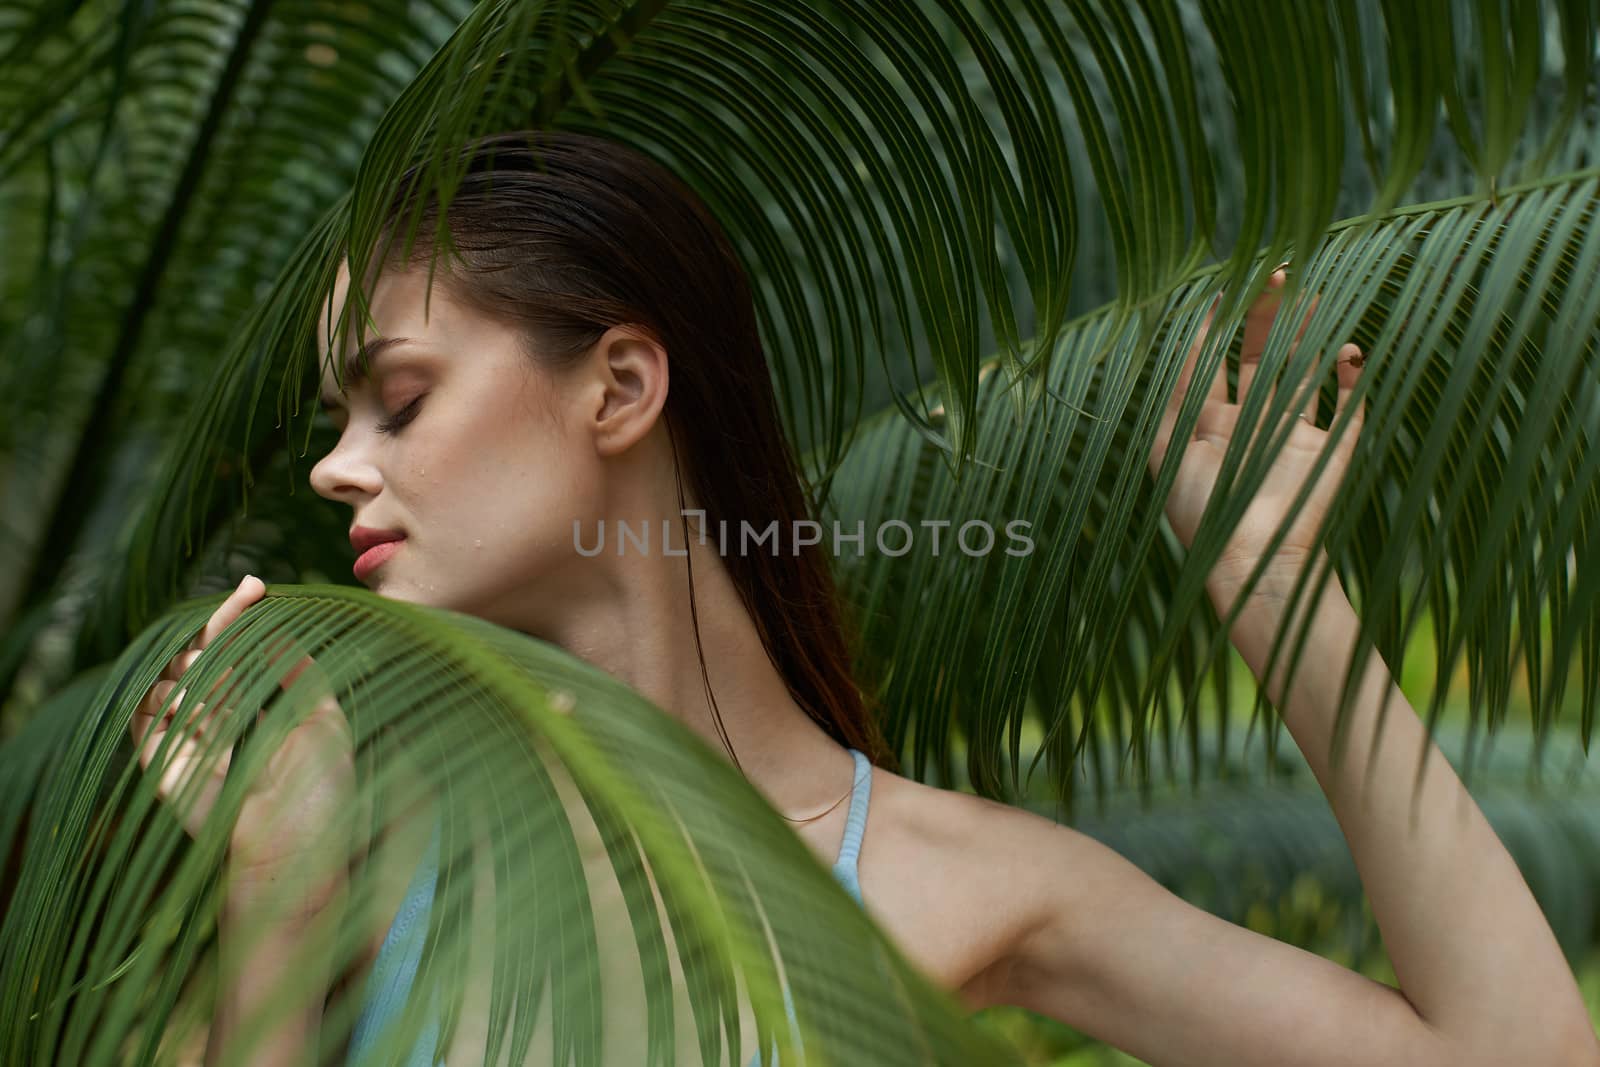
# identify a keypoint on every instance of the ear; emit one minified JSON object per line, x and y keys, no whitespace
{"x":630,"y":368}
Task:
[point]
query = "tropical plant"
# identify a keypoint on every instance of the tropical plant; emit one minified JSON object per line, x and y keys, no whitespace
{"x":1022,"y":210}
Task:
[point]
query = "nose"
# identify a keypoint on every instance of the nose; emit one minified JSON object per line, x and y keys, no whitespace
{"x":345,"y":476}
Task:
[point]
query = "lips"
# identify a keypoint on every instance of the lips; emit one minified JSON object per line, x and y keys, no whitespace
{"x":365,"y":537}
{"x":375,"y":557}
{"x":373,"y":547}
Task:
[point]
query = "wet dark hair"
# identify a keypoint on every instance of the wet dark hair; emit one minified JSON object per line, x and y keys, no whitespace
{"x":561,"y":235}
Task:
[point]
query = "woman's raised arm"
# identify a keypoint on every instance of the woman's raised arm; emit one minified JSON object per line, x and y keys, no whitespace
{"x":1111,"y":952}
{"x":1116,"y":955}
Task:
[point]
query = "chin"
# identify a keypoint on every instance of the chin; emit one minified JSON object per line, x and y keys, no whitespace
{"x":428,"y":596}
{"x":381,"y":585}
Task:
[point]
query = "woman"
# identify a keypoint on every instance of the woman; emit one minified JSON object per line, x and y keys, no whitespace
{"x":597,"y":362}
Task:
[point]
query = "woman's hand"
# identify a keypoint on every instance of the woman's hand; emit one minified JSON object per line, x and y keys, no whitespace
{"x":296,"y":811}
{"x":1202,"y":459}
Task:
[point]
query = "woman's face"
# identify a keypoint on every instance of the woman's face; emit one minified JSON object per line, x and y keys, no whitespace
{"x":463,"y":445}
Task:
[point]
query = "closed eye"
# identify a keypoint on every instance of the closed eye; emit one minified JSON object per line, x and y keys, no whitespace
{"x":400,"y":418}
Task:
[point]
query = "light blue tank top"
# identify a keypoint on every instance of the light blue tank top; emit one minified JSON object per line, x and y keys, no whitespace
{"x":396,"y":966}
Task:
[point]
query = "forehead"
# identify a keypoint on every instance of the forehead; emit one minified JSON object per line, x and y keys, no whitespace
{"x":395,"y":307}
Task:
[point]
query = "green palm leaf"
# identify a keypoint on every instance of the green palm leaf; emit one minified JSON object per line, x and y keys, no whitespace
{"x":468,"y":707}
{"x":1490,"y":305}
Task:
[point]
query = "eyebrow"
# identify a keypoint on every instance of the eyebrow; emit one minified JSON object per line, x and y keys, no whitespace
{"x":354,"y":371}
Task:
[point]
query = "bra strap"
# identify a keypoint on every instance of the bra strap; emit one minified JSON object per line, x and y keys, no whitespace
{"x":844,"y":869}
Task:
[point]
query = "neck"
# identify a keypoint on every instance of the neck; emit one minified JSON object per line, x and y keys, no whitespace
{"x":637,"y":626}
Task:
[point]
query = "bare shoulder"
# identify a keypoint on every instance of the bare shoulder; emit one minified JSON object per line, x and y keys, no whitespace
{"x":954,"y":878}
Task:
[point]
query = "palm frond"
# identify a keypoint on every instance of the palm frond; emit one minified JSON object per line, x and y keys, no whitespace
{"x":1155,"y":101}
{"x":200,"y":174}
{"x":1468,"y":498}
{"x":534,"y":763}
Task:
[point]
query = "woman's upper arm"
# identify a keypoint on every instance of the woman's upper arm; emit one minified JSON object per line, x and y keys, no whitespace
{"x":1116,"y":955}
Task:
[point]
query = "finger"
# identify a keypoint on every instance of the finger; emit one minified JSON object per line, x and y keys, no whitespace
{"x":1305,"y":392}
{"x":1349,"y":364}
{"x":225,"y":613}
{"x":279,"y":645}
{"x":249,"y":590}
{"x":1305,"y":397}
{"x":183,"y":761}
{"x":305,"y":664}
{"x":1257,"y":325}
{"x":1254,"y":347}
{"x":156,"y":707}
{"x":185,"y":755}
{"x":150,"y":729}
{"x":149,"y":710}
{"x":180,"y":663}
{"x":197,"y":715}
{"x":1218,"y":389}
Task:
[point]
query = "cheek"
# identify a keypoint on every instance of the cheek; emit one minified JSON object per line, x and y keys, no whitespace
{"x":546,"y":491}
{"x":512,"y":491}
